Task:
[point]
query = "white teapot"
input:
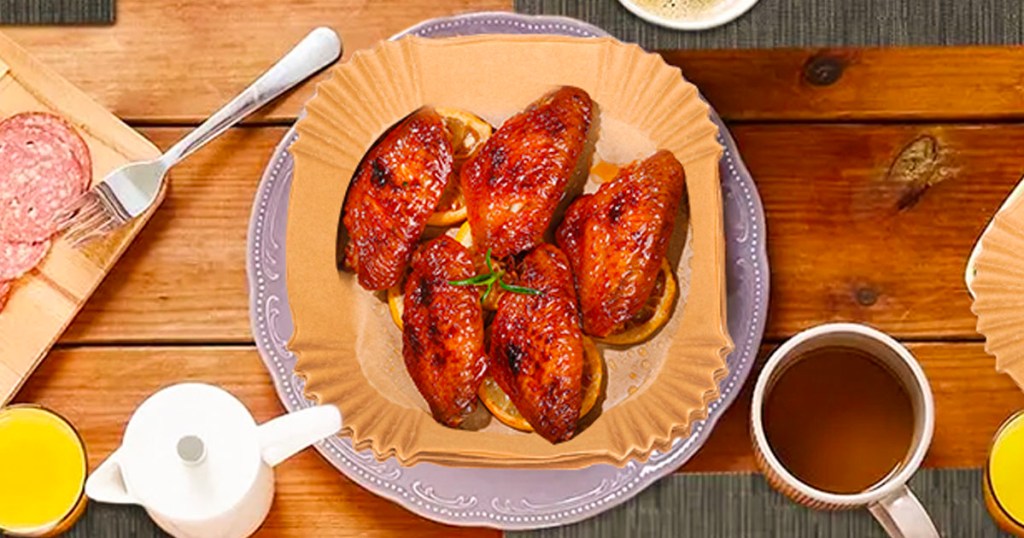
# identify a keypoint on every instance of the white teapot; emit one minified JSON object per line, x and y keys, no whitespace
{"x":194,"y":458}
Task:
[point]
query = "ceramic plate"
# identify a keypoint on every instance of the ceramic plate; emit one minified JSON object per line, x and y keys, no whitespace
{"x":508,"y":498}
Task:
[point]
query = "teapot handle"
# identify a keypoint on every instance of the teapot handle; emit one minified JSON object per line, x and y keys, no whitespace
{"x":286,"y":435}
{"x":106,"y":483}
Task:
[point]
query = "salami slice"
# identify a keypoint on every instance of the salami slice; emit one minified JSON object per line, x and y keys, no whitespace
{"x":60,"y":129}
{"x":16,"y":259}
{"x":5,"y":292}
{"x":41,"y":173}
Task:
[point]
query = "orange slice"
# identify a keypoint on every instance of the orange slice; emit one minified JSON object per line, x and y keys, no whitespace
{"x":655,"y":313}
{"x":396,"y":304}
{"x":464,"y":235}
{"x":499,"y":404}
{"x":469,"y":132}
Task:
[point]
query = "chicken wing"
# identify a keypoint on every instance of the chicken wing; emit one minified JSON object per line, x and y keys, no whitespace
{"x":617,"y":237}
{"x":514,"y":183}
{"x":393,"y":192}
{"x":443,"y":337}
{"x":536,"y":345}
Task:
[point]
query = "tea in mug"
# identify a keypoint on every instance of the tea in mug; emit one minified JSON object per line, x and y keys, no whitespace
{"x":839,"y":420}
{"x":42,"y":472}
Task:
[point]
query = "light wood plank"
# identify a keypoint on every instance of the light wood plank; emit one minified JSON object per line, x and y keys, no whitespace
{"x":98,"y":388}
{"x":179,"y":62}
{"x":47,"y":299}
{"x":971,"y":400}
{"x":158,"y":64}
{"x":840,"y":248}
{"x":877,"y":83}
{"x":184,"y":278}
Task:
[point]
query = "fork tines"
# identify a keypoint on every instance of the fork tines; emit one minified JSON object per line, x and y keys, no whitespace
{"x":87,"y":218}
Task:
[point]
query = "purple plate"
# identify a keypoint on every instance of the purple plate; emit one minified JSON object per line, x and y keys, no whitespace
{"x":511,"y":499}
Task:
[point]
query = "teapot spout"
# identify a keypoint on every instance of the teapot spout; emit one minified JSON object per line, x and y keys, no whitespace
{"x":106,"y":483}
{"x":286,"y":435}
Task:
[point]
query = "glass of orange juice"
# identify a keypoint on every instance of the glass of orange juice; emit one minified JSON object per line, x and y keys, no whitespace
{"x":1004,"y":476}
{"x":42,"y":472}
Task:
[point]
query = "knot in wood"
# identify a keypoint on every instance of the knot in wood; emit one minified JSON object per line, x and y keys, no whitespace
{"x":866,"y":296}
{"x":823,"y":70}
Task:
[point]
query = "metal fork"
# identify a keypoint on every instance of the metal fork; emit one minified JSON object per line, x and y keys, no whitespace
{"x":130,"y":190}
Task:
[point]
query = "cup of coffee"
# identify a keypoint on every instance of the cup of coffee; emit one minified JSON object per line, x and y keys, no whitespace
{"x":842,"y":417}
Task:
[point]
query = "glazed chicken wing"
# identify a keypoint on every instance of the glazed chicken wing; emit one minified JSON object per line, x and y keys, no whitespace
{"x":537,"y":347}
{"x":514,"y":183}
{"x":617,"y":237}
{"x":443,"y":335}
{"x":393,"y":192}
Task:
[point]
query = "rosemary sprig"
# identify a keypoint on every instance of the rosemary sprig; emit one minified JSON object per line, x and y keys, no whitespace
{"x":490,"y":278}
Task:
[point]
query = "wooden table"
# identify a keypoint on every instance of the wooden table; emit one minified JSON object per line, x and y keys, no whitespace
{"x":878,"y":170}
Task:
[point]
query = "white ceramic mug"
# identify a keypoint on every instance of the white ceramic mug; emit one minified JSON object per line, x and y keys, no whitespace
{"x":890,"y":500}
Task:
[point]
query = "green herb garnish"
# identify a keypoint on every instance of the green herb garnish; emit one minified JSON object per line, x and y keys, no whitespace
{"x":490,"y":278}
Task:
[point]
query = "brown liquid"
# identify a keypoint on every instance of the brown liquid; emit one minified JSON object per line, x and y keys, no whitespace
{"x":838,"y":420}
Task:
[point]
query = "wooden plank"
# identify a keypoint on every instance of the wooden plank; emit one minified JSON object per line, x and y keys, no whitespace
{"x":184,"y":278}
{"x":874,"y":223}
{"x":45,"y":301}
{"x":971,"y":400}
{"x":840,"y":247}
{"x":179,"y":62}
{"x":313,"y":499}
{"x":878,"y":83}
{"x":178,"y":65}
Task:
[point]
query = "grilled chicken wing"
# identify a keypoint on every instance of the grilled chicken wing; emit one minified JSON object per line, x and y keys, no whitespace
{"x":393,"y":193}
{"x":537,"y":347}
{"x":443,"y":338}
{"x":514,"y":183}
{"x":617,"y":237}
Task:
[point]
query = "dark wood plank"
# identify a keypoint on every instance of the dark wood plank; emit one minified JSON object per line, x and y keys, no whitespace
{"x":971,"y":400}
{"x":864,"y":83}
{"x":875,"y":223}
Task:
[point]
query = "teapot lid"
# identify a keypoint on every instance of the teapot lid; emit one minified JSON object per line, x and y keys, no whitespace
{"x":190,"y":451}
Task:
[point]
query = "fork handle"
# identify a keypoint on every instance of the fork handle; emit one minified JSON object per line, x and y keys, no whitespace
{"x":318,"y":50}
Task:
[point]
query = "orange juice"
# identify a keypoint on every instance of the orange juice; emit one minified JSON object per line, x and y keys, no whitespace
{"x":42,"y":472}
{"x":1004,"y":476}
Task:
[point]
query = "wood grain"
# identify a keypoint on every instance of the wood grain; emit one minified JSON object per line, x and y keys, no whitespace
{"x":184,"y":278}
{"x":45,"y":301}
{"x":98,"y":388}
{"x":874,"y":223}
{"x":971,"y":400}
{"x":178,"y":63}
{"x":909,"y":83}
{"x":841,"y":247}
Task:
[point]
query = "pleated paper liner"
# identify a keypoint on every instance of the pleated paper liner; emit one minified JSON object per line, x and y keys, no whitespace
{"x":996,"y":279}
{"x":349,"y":351}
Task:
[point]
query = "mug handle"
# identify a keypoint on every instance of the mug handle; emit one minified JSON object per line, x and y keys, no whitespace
{"x":902,"y":516}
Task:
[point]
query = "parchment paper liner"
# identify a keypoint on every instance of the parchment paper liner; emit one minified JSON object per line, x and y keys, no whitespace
{"x":997,"y":283}
{"x":495,"y":76}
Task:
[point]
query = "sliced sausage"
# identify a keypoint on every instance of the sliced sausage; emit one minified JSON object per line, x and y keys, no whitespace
{"x":41,"y":173}
{"x":16,"y":259}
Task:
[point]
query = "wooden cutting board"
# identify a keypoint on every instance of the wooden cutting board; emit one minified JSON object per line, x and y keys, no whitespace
{"x":44,"y":302}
